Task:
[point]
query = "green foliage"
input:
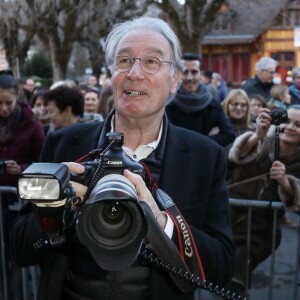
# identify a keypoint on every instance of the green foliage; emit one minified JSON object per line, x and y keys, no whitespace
{"x":38,"y":65}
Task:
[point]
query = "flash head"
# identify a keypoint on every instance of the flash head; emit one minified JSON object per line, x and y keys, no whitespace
{"x":44,"y":182}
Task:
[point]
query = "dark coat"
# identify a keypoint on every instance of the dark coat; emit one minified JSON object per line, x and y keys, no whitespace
{"x":249,"y":179}
{"x":203,"y":121}
{"x":295,"y":97}
{"x":25,"y":146}
{"x":193,"y":174}
{"x":254,"y":86}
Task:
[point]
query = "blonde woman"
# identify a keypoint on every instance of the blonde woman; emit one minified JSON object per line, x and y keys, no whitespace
{"x":236,"y":106}
{"x":280,"y":97}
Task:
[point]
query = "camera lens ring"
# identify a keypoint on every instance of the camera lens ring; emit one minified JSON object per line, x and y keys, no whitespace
{"x":95,"y":226}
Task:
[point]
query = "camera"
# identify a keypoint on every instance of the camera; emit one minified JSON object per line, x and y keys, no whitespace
{"x":279,"y":116}
{"x":109,"y":221}
{"x":2,"y":167}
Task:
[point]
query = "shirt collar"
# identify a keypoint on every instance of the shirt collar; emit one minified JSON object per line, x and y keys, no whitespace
{"x":142,"y":151}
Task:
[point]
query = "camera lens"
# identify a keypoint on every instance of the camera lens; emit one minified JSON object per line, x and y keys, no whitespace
{"x":110,"y":227}
{"x":111,"y":221}
{"x":113,"y":213}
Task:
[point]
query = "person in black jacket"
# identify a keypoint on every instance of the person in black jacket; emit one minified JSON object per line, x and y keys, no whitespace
{"x":294,"y":88}
{"x":194,"y":108}
{"x":262,"y":82}
{"x":186,"y":166}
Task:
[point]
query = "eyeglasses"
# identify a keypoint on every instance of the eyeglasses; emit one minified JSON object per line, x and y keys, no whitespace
{"x":149,"y":64}
{"x":236,"y":105}
{"x":270,"y":72}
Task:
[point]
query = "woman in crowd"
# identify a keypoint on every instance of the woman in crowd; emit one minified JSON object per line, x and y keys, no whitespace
{"x":21,"y":137}
{"x":236,"y":106}
{"x":106,"y":101}
{"x":280,"y":97}
{"x":40,"y":111}
{"x":65,"y":106}
{"x":21,"y":142}
{"x":256,"y":174}
{"x":257,"y":102}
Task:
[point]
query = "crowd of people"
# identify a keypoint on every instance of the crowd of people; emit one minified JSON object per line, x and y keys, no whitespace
{"x":199,"y":141}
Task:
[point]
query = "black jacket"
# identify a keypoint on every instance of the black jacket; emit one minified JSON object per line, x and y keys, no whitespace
{"x":200,"y":112}
{"x":193,"y":174}
{"x":295,"y":97}
{"x":254,"y":86}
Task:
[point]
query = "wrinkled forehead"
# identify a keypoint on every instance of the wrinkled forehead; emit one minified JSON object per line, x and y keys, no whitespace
{"x":148,"y":42}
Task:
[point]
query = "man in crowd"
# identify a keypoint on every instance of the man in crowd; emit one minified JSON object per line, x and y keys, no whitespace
{"x":190,"y":168}
{"x":294,"y":88}
{"x":28,"y":88}
{"x":262,"y":82}
{"x":220,"y":85}
{"x":206,"y":78}
{"x":92,"y":83}
{"x":194,"y":107}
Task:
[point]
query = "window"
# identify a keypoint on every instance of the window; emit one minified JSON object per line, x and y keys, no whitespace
{"x":287,"y":19}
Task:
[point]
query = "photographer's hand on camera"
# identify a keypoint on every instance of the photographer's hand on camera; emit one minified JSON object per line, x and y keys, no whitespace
{"x":263,"y":123}
{"x":12,"y":167}
{"x":76,"y":168}
{"x":144,"y":195}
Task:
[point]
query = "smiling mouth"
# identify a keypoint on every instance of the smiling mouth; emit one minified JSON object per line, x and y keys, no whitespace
{"x":134,"y":93}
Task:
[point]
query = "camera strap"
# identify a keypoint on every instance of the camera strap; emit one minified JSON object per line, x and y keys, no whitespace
{"x":187,"y":247}
{"x":161,"y":252}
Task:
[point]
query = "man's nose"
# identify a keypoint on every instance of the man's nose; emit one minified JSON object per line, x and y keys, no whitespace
{"x":3,"y":107}
{"x":136,"y":71}
{"x":188,"y":75}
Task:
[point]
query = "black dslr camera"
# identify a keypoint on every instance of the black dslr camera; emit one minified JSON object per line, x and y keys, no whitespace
{"x":279,"y":116}
{"x":109,"y":221}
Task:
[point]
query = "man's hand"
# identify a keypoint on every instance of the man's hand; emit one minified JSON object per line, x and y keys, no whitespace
{"x":76,"y":168}
{"x":12,"y":167}
{"x":144,"y":194}
{"x":214,"y":131}
{"x":263,"y":123}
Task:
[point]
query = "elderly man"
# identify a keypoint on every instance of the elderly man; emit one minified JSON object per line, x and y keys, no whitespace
{"x":262,"y":82}
{"x":145,"y":61}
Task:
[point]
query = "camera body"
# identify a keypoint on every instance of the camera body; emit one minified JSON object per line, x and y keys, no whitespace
{"x":114,"y":161}
{"x":2,"y":167}
{"x":279,"y":116}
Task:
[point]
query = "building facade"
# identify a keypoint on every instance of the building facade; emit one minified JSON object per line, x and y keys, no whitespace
{"x":245,"y":32}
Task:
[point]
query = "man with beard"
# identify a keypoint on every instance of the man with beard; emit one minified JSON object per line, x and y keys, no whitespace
{"x":194,"y":108}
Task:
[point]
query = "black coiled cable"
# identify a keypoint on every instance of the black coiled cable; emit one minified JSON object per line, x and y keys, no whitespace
{"x":157,"y":263}
{"x":101,"y":168}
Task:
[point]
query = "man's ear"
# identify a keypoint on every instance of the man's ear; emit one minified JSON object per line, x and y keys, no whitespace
{"x":175,"y":81}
